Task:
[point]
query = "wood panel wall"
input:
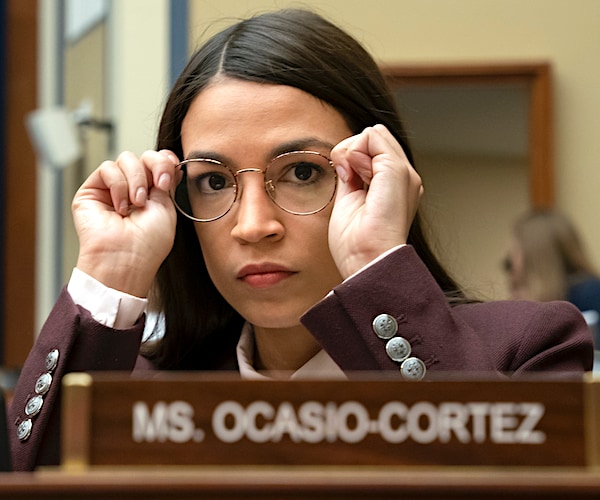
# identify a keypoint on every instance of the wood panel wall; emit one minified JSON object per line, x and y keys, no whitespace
{"x":19,"y":198}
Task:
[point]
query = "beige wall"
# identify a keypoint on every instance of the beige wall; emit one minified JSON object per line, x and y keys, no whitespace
{"x":85,"y":68}
{"x":564,"y":32}
{"x":121,"y":74}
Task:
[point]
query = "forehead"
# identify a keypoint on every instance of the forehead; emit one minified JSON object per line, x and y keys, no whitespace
{"x":241,"y":117}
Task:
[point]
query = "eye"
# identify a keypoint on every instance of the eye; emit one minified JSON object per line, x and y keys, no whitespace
{"x":210,"y":182}
{"x":215,"y":181}
{"x":303,"y":172}
{"x":205,"y":177}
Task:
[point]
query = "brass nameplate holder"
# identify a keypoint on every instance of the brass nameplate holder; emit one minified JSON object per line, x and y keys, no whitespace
{"x":194,"y":419}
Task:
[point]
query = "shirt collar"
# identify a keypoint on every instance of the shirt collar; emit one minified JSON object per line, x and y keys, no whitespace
{"x":319,"y":366}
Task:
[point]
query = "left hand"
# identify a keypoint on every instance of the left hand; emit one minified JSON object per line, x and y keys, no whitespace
{"x":377,"y":198}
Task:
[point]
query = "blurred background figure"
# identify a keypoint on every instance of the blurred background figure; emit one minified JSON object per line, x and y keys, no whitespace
{"x":547,"y":261}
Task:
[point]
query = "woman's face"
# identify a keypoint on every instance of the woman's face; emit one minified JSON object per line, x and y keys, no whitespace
{"x":270,"y":265}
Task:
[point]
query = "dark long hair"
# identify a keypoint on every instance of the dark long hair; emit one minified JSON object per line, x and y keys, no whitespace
{"x":291,"y":47}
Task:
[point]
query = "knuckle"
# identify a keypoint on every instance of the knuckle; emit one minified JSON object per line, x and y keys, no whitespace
{"x":148,"y":154}
{"x":125,"y":156}
{"x":106,"y":165}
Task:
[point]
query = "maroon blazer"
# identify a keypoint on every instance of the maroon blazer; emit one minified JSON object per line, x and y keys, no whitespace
{"x":504,"y":338}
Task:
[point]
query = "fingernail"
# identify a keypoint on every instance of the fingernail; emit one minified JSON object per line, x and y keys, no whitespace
{"x":123,"y":208}
{"x":164,"y":182}
{"x":140,"y":196}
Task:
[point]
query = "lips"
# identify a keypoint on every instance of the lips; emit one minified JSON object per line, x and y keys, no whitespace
{"x":263,"y":275}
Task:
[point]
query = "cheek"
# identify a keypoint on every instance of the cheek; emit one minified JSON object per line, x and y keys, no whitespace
{"x":517,"y":261}
{"x":319,"y":236}
{"x":517,"y":273}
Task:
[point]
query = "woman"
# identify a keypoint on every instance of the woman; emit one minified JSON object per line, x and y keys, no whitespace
{"x":295,"y":247}
{"x":547,"y":261}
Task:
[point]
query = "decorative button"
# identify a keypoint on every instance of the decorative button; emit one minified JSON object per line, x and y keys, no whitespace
{"x":34,"y":405}
{"x":52,"y":360}
{"x":43,"y":383}
{"x":24,"y":430}
{"x":385,"y":326}
{"x":413,"y":369}
{"x":398,"y":348}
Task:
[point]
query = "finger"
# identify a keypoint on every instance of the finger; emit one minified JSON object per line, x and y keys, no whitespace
{"x":410,"y":188}
{"x":415,"y":178}
{"x":360,"y":152}
{"x":375,"y":155}
{"x":390,"y":140}
{"x":161,"y":165}
{"x":350,"y":156}
{"x":392,"y":176}
{"x":348,"y":181}
{"x":382,"y":142}
{"x":414,"y":182}
{"x":137,"y":177}
{"x":110,"y":177}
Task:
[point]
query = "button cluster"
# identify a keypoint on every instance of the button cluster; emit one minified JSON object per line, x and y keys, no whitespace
{"x":35,"y":402}
{"x":398,"y":348}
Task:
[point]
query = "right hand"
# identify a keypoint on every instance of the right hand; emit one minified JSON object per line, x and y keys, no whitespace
{"x":125,"y":220}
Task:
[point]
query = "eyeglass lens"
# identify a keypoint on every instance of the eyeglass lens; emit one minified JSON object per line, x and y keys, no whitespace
{"x":299,"y":182}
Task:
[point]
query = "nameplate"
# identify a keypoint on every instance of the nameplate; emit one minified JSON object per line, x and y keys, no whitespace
{"x":195,"y":419}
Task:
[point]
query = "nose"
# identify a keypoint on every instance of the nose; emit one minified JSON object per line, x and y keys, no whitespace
{"x":256,"y":216}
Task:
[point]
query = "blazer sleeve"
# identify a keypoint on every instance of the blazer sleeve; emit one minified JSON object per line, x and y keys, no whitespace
{"x":483,"y":337}
{"x":70,"y":340}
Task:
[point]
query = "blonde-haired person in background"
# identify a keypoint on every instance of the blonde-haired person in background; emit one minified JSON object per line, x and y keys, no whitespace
{"x":547,"y":261}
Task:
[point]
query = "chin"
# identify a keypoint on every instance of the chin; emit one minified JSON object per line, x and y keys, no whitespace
{"x":273,"y":320}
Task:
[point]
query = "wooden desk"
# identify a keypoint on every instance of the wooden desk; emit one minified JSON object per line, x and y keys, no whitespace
{"x":105,"y":434}
{"x":304,"y":483}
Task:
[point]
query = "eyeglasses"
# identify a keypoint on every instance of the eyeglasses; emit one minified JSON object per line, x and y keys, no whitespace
{"x":298,"y":182}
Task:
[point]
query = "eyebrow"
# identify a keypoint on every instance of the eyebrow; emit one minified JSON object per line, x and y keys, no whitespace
{"x":302,"y":144}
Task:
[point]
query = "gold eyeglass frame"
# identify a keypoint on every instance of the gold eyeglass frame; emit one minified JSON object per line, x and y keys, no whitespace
{"x":269,"y":188}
